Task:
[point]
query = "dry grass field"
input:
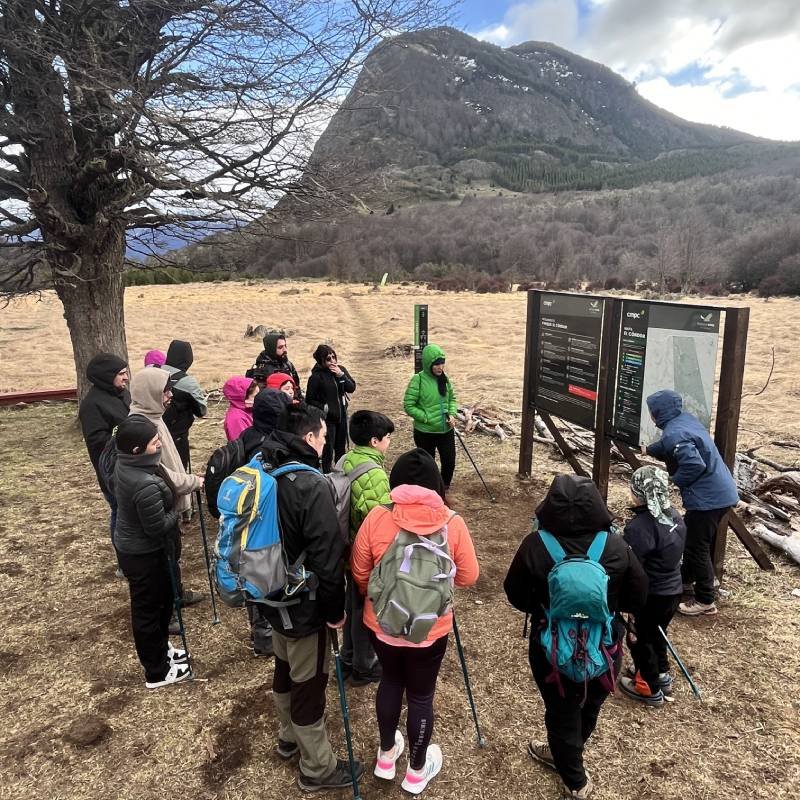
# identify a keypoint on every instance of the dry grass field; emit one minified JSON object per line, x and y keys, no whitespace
{"x":78,"y":722}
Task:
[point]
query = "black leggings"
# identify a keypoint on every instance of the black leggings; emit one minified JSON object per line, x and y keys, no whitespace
{"x":445,"y":443}
{"x":650,"y":650}
{"x":412,"y":670}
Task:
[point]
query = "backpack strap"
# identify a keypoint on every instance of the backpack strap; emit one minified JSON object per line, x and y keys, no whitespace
{"x":552,"y":545}
{"x":292,"y":466}
{"x":361,"y":469}
{"x":598,"y":545}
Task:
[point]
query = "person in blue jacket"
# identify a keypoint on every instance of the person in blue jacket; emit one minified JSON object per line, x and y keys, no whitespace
{"x":707,"y":488}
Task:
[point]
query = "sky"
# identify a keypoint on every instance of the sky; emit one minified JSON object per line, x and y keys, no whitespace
{"x":734,"y":63}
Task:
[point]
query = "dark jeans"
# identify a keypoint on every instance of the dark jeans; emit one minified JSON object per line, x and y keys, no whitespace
{"x":445,"y":443}
{"x":569,"y":724}
{"x":150,"y":588}
{"x":412,"y":670}
{"x":650,"y":651}
{"x":335,"y":444}
{"x":112,"y":503}
{"x":697,"y":566}
{"x":357,"y":650}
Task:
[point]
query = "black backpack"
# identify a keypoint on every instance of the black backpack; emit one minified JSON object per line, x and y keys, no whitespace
{"x":223,"y":462}
{"x":107,"y":463}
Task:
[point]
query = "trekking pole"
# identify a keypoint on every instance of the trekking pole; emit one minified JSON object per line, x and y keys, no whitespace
{"x":215,"y":617}
{"x":469,"y":456}
{"x":683,"y":669}
{"x":345,"y":713}
{"x":177,"y":602}
{"x":479,"y":736}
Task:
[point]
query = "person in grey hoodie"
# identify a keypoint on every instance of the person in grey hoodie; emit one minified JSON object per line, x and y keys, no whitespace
{"x":147,"y":524}
{"x":707,"y":487}
{"x":188,"y":399}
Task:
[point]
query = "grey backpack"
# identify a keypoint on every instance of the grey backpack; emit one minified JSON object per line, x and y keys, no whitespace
{"x":340,"y":486}
{"x":412,"y":585}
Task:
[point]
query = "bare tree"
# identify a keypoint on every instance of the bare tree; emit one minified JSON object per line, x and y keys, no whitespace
{"x":183,"y":116}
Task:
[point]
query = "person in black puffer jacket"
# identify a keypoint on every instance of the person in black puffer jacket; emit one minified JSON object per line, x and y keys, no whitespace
{"x":144,"y":538}
{"x":106,"y":404}
{"x":657,"y":535}
{"x":328,"y":387}
{"x":574,"y":512}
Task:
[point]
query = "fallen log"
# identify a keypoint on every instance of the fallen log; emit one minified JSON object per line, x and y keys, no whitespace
{"x":788,"y":544}
{"x":786,"y":483}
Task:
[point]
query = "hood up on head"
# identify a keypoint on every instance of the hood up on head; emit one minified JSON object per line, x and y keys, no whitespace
{"x":431,"y":353}
{"x":573,"y":507}
{"x":102,"y":370}
{"x":235,"y":390}
{"x":664,"y":406}
{"x":267,"y":409}
{"x":154,"y":358}
{"x":147,"y":390}
{"x":135,"y":433}
{"x":271,"y":343}
{"x":180,"y":355}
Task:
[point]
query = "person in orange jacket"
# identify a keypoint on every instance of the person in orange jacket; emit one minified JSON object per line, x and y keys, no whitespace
{"x":418,"y":507}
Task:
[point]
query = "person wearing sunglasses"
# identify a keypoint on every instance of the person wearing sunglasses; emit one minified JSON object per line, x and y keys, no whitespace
{"x":328,"y":388}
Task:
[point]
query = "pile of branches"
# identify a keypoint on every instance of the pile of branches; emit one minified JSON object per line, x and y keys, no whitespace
{"x":771,"y":501}
{"x":487,"y":419}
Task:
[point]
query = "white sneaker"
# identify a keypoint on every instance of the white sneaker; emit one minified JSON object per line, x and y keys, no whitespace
{"x":177,"y":673}
{"x":176,"y":655}
{"x":415,"y":781}
{"x":385,"y":764}
{"x":696,"y":609}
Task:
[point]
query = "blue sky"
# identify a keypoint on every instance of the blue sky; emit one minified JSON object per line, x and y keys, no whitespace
{"x":734,"y":63}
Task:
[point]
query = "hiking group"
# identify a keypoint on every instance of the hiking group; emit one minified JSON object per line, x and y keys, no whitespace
{"x":316,"y":538}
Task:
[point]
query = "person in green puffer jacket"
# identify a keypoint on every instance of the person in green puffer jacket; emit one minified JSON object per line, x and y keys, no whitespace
{"x":371,"y":433}
{"x":431,"y":402}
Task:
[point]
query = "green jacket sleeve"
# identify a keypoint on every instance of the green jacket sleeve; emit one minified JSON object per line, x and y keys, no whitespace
{"x":452,"y":405}
{"x":411,"y":400}
{"x":372,"y":490}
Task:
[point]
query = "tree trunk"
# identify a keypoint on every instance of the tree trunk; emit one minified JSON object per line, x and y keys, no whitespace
{"x":94,"y":303}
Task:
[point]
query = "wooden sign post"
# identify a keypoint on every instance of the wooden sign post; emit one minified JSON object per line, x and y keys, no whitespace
{"x":420,"y":334}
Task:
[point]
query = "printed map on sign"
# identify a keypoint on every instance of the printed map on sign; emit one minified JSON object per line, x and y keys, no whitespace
{"x":663,"y":346}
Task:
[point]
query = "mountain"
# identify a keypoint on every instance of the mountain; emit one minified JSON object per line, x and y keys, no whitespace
{"x":434,"y":111}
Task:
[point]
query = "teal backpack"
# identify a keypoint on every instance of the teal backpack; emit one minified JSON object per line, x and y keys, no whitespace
{"x":579,"y":630}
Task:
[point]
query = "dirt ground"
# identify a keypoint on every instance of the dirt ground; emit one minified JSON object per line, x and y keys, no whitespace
{"x":78,"y":722}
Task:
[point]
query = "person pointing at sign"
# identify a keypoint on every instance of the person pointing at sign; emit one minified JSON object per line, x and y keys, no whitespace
{"x":707,"y":487}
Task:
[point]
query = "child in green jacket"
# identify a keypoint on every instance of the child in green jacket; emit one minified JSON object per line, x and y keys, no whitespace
{"x":371,"y":433}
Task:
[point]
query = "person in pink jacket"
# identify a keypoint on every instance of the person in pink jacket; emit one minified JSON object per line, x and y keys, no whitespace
{"x":417,"y":493}
{"x":240,"y":392}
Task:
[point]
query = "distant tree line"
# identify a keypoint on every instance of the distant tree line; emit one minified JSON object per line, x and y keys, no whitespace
{"x":721,"y":234}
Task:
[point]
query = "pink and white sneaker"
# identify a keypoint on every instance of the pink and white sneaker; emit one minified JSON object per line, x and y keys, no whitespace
{"x":416,"y":780}
{"x":385,"y":765}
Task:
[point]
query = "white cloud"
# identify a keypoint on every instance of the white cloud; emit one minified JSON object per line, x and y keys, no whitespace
{"x":739,"y":58}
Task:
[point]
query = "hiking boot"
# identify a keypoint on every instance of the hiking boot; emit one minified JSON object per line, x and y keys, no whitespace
{"x":664,"y":679}
{"x":338,"y":778}
{"x":416,"y":780}
{"x":287,"y":750}
{"x":580,"y":794}
{"x":385,"y":764}
{"x":363,"y":678}
{"x":176,"y":655}
{"x":637,"y":689}
{"x":696,"y":609}
{"x":174,"y":626}
{"x":190,"y":597}
{"x":175,"y":674}
{"x":540,"y":751}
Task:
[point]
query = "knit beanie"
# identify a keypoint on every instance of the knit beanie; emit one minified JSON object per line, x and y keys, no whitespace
{"x":154,"y":358}
{"x":135,"y":432}
{"x":416,"y":467}
{"x":277,"y":379}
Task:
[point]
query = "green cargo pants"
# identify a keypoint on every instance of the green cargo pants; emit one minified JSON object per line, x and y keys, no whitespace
{"x":298,"y":686}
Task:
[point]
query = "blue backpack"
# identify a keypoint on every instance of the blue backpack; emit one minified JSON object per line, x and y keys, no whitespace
{"x":579,"y":625}
{"x":250,"y":561}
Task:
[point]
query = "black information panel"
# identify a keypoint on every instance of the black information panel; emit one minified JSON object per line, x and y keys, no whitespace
{"x":663,"y":346}
{"x":568,"y":356}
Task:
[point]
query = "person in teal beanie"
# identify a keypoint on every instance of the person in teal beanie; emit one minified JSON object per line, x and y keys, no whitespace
{"x":431,"y":402}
